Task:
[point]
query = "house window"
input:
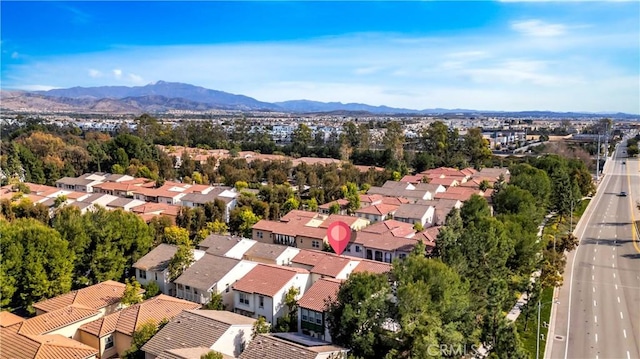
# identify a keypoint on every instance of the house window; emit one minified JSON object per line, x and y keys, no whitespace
{"x":195,"y":291}
{"x":156,"y":274}
{"x":260,"y":301}
{"x":403,"y":256}
{"x":315,"y":244}
{"x":244,"y":298}
{"x":259,"y":234}
{"x":108,"y":342}
{"x":318,"y":318}
{"x":142,"y":274}
{"x":227,"y":290}
{"x":348,"y":248}
{"x":187,"y":287}
{"x":358,"y":249}
{"x":305,"y":315}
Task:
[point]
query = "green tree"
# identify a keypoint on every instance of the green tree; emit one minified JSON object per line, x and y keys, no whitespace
{"x":132,"y":292}
{"x":181,"y":260}
{"x":212,"y":355}
{"x":176,"y":235}
{"x":216,"y":302}
{"x":260,"y":326}
{"x":356,"y":318}
{"x":533,"y":180}
{"x":474,"y":209}
{"x":300,"y":139}
{"x":394,"y":140}
{"x":140,"y":337}
{"x":289,"y":321}
{"x":476,"y":147}
{"x":151,"y":289}
{"x":36,"y":261}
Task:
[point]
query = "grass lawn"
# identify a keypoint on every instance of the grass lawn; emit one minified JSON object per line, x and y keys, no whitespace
{"x":529,"y":337}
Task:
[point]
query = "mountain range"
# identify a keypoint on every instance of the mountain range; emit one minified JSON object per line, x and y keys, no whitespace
{"x":163,"y":96}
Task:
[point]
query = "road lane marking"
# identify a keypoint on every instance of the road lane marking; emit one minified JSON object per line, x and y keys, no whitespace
{"x":594,"y":303}
{"x":594,"y":258}
{"x":593,"y":267}
{"x":628,"y":355}
{"x":595,"y":318}
{"x":614,"y":275}
{"x":616,"y":287}
{"x":596,"y":337}
{"x":594,"y":289}
{"x":618,"y":299}
{"x":621,"y":316}
{"x":613,"y":265}
{"x":593,"y":277}
{"x":624,"y":331}
{"x":595,"y":250}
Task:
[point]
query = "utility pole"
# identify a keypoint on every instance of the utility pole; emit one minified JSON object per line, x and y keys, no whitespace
{"x":598,"y":161}
{"x":538,"y":336}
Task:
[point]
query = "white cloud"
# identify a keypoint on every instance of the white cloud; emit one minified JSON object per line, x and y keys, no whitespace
{"x":94,"y":73}
{"x":539,"y":28}
{"x":117,"y":73}
{"x":15,"y":55}
{"x":38,"y":87}
{"x":135,"y":78}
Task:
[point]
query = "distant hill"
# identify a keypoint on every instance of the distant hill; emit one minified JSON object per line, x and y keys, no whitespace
{"x":164,"y":96}
{"x":168,"y":90}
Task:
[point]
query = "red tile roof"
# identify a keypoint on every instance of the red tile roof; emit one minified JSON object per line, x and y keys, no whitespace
{"x":331,"y":266}
{"x":378,"y":209}
{"x":96,"y":296}
{"x":316,"y":297}
{"x":126,"y":321}
{"x":266,"y":280}
{"x":372,"y":267}
{"x":56,"y":319}
{"x":8,"y":319}
{"x":19,"y":346}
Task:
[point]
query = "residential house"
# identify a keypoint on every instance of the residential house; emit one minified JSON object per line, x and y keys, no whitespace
{"x":312,"y":319}
{"x":21,"y":346}
{"x":459,"y":193}
{"x":342,"y":204}
{"x":112,"y":334}
{"x":381,"y":247}
{"x":428,"y":237}
{"x":291,"y":346}
{"x":270,"y":253}
{"x":442,"y":208}
{"x":396,"y":228}
{"x":104,"y":297}
{"x":324,"y":264}
{"x":154,"y":267}
{"x":149,"y":210}
{"x":64,"y":321}
{"x":122,"y":188}
{"x":370,"y":200}
{"x":415,"y":214}
{"x":370,"y":266}
{"x":377,"y":212}
{"x":84,"y":183}
{"x":261,"y":292}
{"x":200,"y":331}
{"x":227,"y":195}
{"x":211,"y":274}
{"x":218,"y":244}
{"x":125,"y":204}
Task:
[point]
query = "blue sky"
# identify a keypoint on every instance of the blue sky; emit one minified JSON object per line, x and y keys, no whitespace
{"x":511,"y":55}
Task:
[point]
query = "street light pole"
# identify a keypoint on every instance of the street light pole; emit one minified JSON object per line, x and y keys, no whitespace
{"x":538,"y":336}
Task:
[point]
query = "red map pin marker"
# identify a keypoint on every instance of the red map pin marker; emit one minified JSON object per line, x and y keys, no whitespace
{"x":339,"y":234}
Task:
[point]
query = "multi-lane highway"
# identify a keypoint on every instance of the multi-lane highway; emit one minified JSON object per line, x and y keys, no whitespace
{"x":598,"y":309}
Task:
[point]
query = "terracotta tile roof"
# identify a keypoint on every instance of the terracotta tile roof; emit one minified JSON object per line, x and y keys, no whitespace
{"x":396,"y":228}
{"x":296,"y":213}
{"x":378,"y":209}
{"x":60,"y":318}
{"x":372,"y":267}
{"x":394,"y":200}
{"x":157,"y":259}
{"x":127,"y":320}
{"x":341,"y":202}
{"x":8,"y":319}
{"x":158,"y":208}
{"x":266,"y":280}
{"x":309,"y":257}
{"x":370,"y":198}
{"x":322,"y":290}
{"x":350,"y":220}
{"x":429,"y":236}
{"x":385,"y":242}
{"x":207,"y":271}
{"x":19,"y":346}
{"x":186,"y":353}
{"x":194,"y":328}
{"x":95,"y":297}
{"x":331,"y":266}
{"x":447,"y":182}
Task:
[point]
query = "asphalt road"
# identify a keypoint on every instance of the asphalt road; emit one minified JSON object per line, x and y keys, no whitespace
{"x":597,"y":314}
